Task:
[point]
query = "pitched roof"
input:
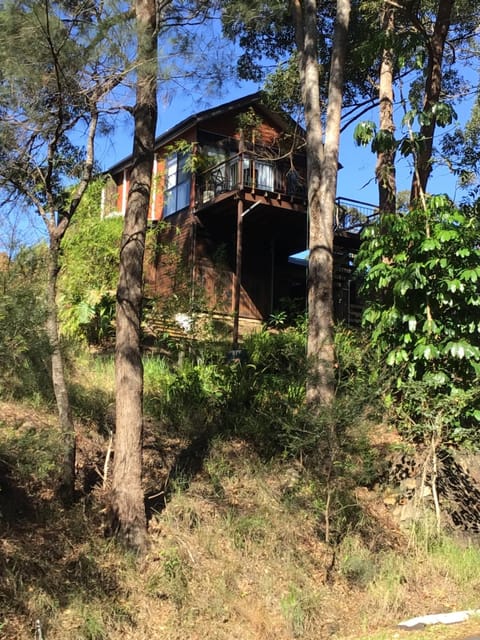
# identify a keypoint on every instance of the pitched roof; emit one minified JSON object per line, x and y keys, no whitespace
{"x":281,"y":119}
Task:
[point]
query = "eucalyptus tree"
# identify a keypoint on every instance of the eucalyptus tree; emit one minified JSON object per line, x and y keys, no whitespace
{"x":421,"y":50}
{"x":57,"y":66}
{"x":174,"y":23}
{"x":127,"y":511}
{"x":297,"y":31}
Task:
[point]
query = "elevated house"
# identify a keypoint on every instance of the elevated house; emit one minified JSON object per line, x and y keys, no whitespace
{"x":229,"y":207}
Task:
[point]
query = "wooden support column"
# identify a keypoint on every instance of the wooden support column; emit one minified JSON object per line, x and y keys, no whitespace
{"x":237,"y":283}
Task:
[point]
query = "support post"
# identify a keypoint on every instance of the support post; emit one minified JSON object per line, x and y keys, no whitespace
{"x":237,"y":284}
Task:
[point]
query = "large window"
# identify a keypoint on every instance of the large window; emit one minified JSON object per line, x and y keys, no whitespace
{"x":264,"y":175}
{"x":259,"y":174}
{"x":177,"y":184}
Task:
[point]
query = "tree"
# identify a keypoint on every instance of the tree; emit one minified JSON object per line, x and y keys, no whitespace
{"x":421,"y":290}
{"x":127,"y":510}
{"x":306,"y":45}
{"x":421,"y":46}
{"x":385,"y":169}
{"x":320,"y":386}
{"x":127,"y":506}
{"x":322,"y":167}
{"x":435,"y":46}
{"x":50,"y":96}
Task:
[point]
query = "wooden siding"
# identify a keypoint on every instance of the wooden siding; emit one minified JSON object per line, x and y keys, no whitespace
{"x":192,"y":262}
{"x":169,"y":263}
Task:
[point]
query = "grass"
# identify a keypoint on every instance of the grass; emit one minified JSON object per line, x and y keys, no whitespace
{"x":237,"y":549}
{"x":243,"y":563}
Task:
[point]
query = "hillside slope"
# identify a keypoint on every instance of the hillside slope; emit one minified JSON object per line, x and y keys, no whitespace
{"x":237,"y":550}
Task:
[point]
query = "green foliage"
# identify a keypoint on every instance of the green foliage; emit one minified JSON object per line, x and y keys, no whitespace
{"x":31,"y":453}
{"x":261,"y":395}
{"x":293,"y":607}
{"x":188,"y":399}
{"x":247,"y":529}
{"x":172,"y":581}
{"x":266,"y":392}
{"x":420,"y":273}
{"x":90,"y":271}
{"x":382,"y":140}
{"x":364,"y":133}
{"x":48,"y":89}
{"x":24,"y":350}
{"x":357,"y":563}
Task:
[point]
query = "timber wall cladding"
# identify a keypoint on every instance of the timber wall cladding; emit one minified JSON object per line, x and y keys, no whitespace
{"x":170,"y":258}
{"x":266,"y":134}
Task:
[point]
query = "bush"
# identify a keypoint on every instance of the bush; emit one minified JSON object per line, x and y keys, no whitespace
{"x":24,"y":350}
{"x":421,"y":272}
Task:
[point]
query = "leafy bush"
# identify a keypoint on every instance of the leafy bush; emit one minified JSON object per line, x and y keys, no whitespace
{"x":421,"y":273}
{"x":187,"y":398}
{"x":261,"y":396}
{"x":24,"y":350}
{"x":90,"y":255}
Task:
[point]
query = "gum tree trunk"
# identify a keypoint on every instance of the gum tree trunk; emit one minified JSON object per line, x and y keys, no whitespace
{"x":128,"y":517}
{"x":433,"y":88}
{"x":385,"y":169}
{"x":322,"y":167}
{"x":66,"y":487}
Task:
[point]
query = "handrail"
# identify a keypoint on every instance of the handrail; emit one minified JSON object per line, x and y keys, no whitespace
{"x":247,"y":170}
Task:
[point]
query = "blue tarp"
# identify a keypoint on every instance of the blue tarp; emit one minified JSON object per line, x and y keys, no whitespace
{"x":300,"y":258}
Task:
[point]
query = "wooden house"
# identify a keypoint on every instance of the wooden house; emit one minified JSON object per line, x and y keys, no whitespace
{"x":229,"y":208}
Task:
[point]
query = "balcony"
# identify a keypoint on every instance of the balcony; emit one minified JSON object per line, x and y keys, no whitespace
{"x":353,"y":215}
{"x":248,"y":171}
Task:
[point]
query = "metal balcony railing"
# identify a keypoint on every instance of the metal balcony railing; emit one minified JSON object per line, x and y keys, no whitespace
{"x":353,"y":215}
{"x":247,"y":171}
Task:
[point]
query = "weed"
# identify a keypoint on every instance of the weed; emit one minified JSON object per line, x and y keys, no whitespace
{"x":218,"y":469}
{"x":457,"y":562}
{"x":246,"y":529}
{"x":174,"y":577}
{"x":93,"y":627}
{"x":298,"y":607}
{"x":356,"y":562}
{"x":291,"y":606}
{"x":30,"y":451}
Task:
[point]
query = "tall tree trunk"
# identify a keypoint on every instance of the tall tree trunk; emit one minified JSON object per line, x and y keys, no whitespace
{"x":433,"y":88}
{"x":127,"y":501}
{"x":66,"y":488}
{"x":385,"y":169}
{"x":322,"y":167}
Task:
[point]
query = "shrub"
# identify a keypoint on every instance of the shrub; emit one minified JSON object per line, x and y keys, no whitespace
{"x":24,"y":350}
{"x":420,"y":273}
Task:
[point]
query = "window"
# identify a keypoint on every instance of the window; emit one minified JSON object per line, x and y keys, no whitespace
{"x":177,"y":184}
{"x":264,"y":175}
{"x":258,"y":174}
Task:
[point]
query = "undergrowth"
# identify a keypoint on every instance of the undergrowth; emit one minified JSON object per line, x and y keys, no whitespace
{"x":258,"y":529}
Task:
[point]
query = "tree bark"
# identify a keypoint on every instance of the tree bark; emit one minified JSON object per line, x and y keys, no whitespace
{"x":66,"y":488}
{"x":127,"y":513}
{"x":322,"y":167}
{"x":385,"y":168}
{"x":433,"y":88}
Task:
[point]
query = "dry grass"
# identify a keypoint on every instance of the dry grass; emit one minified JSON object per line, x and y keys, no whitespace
{"x":236,"y":553}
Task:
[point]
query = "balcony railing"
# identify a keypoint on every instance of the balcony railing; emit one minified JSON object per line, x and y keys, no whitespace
{"x":247,"y":171}
{"x":353,"y":215}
